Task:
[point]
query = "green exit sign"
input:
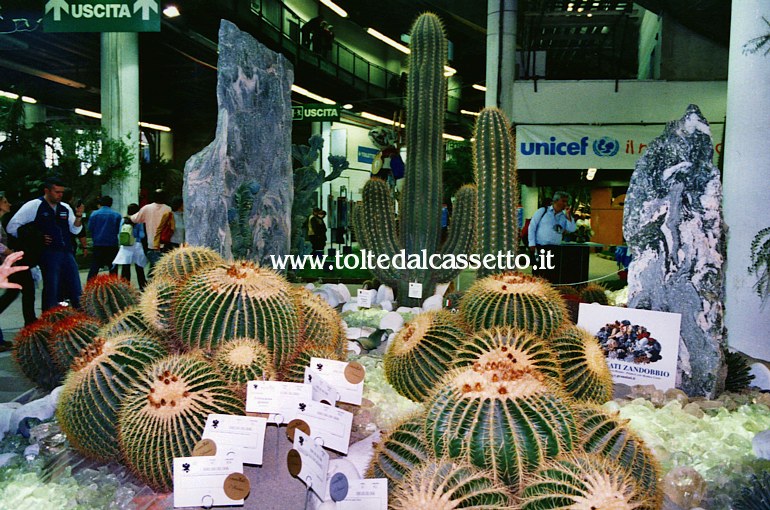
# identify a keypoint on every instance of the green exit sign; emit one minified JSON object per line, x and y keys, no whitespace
{"x":101,"y":16}
{"x":315,"y":112}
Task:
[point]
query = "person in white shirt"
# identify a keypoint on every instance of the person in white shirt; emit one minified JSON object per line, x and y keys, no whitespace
{"x":546,"y":230}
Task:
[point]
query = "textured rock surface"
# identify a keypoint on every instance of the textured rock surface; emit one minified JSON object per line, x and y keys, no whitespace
{"x":252,"y":147}
{"x":673,"y":227}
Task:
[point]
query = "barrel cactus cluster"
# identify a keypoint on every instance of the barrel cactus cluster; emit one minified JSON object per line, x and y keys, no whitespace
{"x":510,"y":391}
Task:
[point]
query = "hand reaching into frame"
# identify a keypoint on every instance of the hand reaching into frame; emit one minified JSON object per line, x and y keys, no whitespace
{"x":7,"y":268}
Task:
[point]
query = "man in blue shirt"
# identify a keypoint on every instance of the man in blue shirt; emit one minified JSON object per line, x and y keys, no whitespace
{"x":104,"y":225}
{"x":545,"y":231}
{"x":55,"y":222}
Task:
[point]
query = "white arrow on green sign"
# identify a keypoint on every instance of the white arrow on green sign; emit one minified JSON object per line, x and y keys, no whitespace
{"x":101,"y":16}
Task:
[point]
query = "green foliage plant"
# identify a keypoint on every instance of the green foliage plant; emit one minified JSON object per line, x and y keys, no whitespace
{"x":760,"y":264}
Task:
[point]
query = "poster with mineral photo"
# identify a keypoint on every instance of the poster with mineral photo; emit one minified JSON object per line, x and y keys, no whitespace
{"x":641,"y":346}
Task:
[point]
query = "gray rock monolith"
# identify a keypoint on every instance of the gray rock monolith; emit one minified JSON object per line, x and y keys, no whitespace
{"x":249,"y":161}
{"x":673,"y":226}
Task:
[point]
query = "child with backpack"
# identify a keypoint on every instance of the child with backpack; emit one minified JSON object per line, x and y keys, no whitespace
{"x":131,"y":250}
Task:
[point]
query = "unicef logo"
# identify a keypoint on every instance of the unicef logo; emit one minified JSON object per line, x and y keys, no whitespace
{"x":606,"y":147}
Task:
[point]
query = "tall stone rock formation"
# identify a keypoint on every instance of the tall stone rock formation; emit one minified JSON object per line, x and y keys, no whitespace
{"x":249,"y":161}
{"x":674,"y":229}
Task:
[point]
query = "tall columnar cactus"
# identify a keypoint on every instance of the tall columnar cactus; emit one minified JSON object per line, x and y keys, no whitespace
{"x":156,"y":303}
{"x":445,"y":485}
{"x":401,"y":450}
{"x":420,"y":206}
{"x":242,"y":360}
{"x":238,"y":300}
{"x":584,"y":369}
{"x":32,"y":355}
{"x":180,"y":263}
{"x":69,"y":336}
{"x":319,"y":324}
{"x":422,"y":353}
{"x":513,"y":299}
{"x":584,"y":481}
{"x":95,"y":388}
{"x":500,"y":417}
{"x":107,"y":295}
{"x":495,"y":173}
{"x":165,"y":411}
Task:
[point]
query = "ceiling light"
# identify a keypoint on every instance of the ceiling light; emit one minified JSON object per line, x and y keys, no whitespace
{"x":590,"y":173}
{"x":480,"y":87}
{"x":347,"y":106}
{"x":580,"y":9}
{"x":449,"y":71}
{"x":468,"y":112}
{"x":9,"y":95}
{"x":307,"y":93}
{"x":28,"y":99}
{"x":171,"y":11}
{"x":453,"y":137}
{"x":377,"y":118}
{"x":156,"y":127}
{"x":589,"y":15}
{"x":387,"y":40}
{"x":88,"y":113}
{"x":336,"y":8}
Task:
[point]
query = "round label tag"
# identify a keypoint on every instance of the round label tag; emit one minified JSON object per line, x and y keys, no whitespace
{"x":294,"y":462}
{"x":294,"y":425}
{"x":338,"y":487}
{"x":205,"y":448}
{"x":237,"y":486}
{"x":355,"y":372}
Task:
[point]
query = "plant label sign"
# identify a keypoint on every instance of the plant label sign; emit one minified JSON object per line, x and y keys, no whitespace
{"x":243,"y":434}
{"x":279,"y":399}
{"x":346,"y":378}
{"x":640,"y":346}
{"x":203,"y":481}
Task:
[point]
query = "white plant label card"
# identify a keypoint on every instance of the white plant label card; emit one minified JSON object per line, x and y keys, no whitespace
{"x":328,"y":425}
{"x":346,"y":378}
{"x":366,"y":494}
{"x":322,"y":391}
{"x":279,"y":399}
{"x":203,"y":481}
{"x":415,"y":290}
{"x":309,"y":462}
{"x":243,"y":434}
{"x":364,"y":298}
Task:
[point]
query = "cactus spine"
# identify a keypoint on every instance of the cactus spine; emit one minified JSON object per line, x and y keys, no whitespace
{"x":585,"y":373}
{"x":155,"y":303}
{"x":419,"y":218}
{"x":495,"y":175}
{"x":69,"y":336}
{"x":421,"y":353}
{"x":180,"y":263}
{"x":108,"y":295}
{"x":400,"y":451}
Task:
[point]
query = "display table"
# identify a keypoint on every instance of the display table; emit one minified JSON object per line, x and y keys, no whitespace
{"x":572,"y":262}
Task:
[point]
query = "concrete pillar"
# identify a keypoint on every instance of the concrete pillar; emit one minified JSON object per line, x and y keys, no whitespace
{"x":120,"y":108}
{"x":501,"y":54}
{"x":746,"y":174}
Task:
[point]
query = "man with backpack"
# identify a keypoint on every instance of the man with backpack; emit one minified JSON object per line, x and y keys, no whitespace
{"x":104,"y":225}
{"x":131,"y":250}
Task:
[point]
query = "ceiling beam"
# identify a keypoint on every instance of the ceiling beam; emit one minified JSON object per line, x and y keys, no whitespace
{"x":15,"y":66}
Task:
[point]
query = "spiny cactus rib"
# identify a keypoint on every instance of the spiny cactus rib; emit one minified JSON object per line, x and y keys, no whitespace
{"x":375,"y":224}
{"x":69,"y":336}
{"x":522,"y":349}
{"x":107,"y":295}
{"x":57,"y":313}
{"x":584,"y":481}
{"x":319,"y":324}
{"x":32,"y":355}
{"x":294,"y":371}
{"x":444,"y":485}
{"x":513,"y":299}
{"x":400,"y":451}
{"x":239,"y":300}
{"x":95,"y":387}
{"x":460,"y":239}
{"x":503,"y":419}
{"x":180,"y":263}
{"x":606,"y":434}
{"x":585,"y":373}
{"x":242,"y":360}
{"x":156,"y":303}
{"x":421,"y":353}
{"x":494,"y":172}
{"x":165,"y":411}
{"x":593,"y":293}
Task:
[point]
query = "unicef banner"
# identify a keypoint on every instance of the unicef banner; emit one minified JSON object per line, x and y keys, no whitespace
{"x":568,"y":147}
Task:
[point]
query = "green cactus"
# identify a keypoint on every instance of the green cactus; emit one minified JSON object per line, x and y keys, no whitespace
{"x":445,"y":485}
{"x":129,"y":320}
{"x":32,"y":355}
{"x":164,"y":413}
{"x":495,"y":174}
{"x":421,"y":353}
{"x":242,"y":360}
{"x":180,"y":263}
{"x":607,"y":434}
{"x":584,"y":481}
{"x":524,"y":350}
{"x":69,"y":336}
{"x":156,"y":303}
{"x":585,"y":374}
{"x":420,"y":203}
{"x":95,"y":388}
{"x":107,"y":295}
{"x":500,"y":417}
{"x":238,"y":300}
{"x":594,"y":293}
{"x":319,"y":324}
{"x":400,"y":451}
{"x":513,"y":299}
{"x":57,"y":313}
{"x":294,"y":371}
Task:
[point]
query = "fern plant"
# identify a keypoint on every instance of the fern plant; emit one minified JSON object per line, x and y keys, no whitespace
{"x":760,"y":264}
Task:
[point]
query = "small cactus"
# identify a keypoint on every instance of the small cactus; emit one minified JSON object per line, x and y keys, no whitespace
{"x":32,"y":355}
{"x":164,"y":413}
{"x":107,"y":295}
{"x":594,"y":293}
{"x":421,"y":353}
{"x":319,"y":324}
{"x":242,"y":360}
{"x":513,"y":299}
{"x":400,"y":451}
{"x":584,"y":369}
{"x":180,"y":263}
{"x":69,"y":336}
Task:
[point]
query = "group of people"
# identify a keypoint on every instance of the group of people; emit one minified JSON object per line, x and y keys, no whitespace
{"x":44,"y":230}
{"x":317,"y":35}
{"x":628,"y":342}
